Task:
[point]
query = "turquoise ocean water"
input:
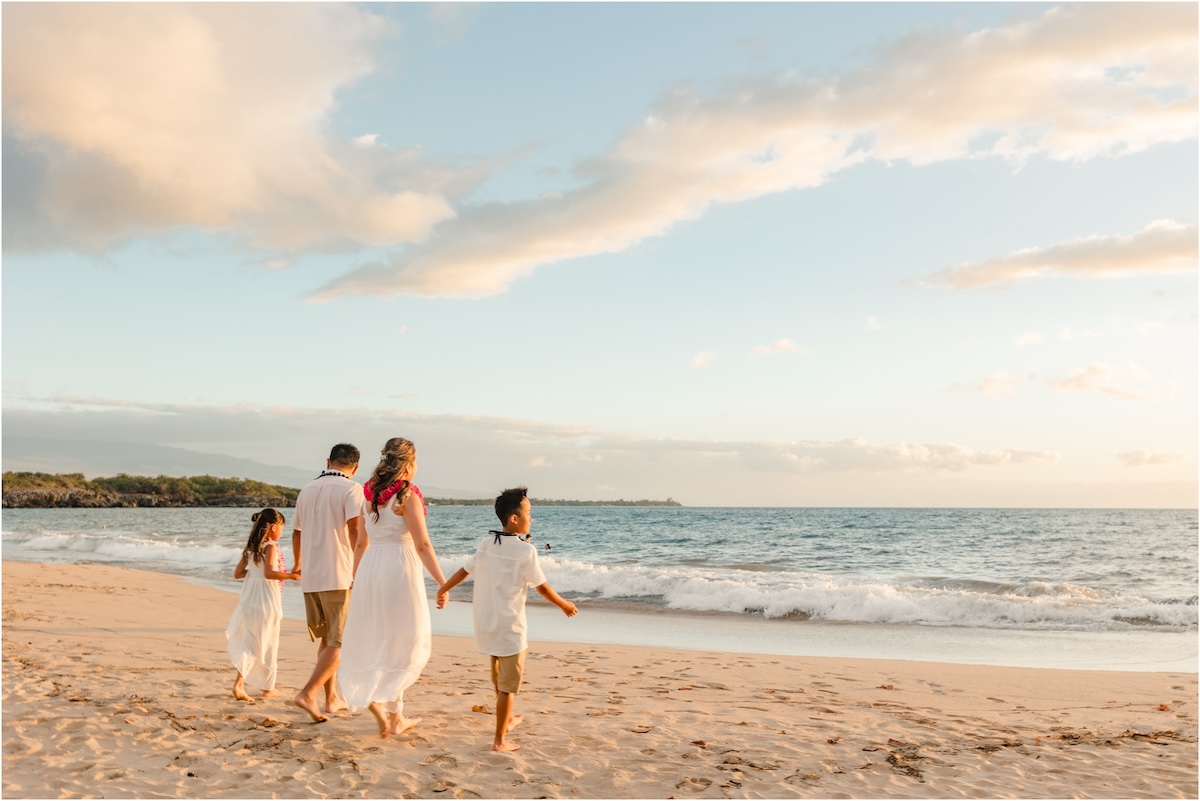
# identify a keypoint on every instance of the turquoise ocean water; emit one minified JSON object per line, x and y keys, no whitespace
{"x":1041,"y":587}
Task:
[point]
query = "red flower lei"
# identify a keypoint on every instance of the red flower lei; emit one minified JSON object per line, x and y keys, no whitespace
{"x":383,"y":497}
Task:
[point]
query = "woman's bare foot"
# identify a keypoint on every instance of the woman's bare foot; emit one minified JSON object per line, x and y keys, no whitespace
{"x":400,"y":724}
{"x":308,"y":706}
{"x":239,"y":689}
{"x":336,"y":705}
{"x":377,"y":712}
{"x":505,"y":746}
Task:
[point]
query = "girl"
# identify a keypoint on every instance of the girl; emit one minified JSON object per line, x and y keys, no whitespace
{"x":253,"y":631}
{"x":387,"y":639}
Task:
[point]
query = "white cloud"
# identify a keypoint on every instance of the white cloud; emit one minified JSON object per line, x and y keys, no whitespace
{"x":999,"y":384}
{"x":1030,"y":338}
{"x":366,"y":140}
{"x":144,"y":117}
{"x":538,"y":461}
{"x":701,"y":359}
{"x":1100,"y":377}
{"x":873,"y":324}
{"x":1074,"y":83}
{"x":779,"y":346}
{"x":1164,"y":246}
{"x":1143,"y":458}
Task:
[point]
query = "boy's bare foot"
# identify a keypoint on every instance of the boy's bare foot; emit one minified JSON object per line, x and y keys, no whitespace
{"x":505,"y":746}
{"x":239,"y":691}
{"x":308,"y":706}
{"x":514,"y":722}
{"x":401,"y":724}
{"x":377,"y":711}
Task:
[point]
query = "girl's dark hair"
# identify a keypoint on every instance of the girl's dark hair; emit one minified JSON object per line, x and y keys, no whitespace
{"x":262,"y":522}
{"x":508,"y":503}
{"x":397,"y":453}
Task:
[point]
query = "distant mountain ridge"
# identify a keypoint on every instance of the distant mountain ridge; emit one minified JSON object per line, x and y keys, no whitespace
{"x":95,"y":458}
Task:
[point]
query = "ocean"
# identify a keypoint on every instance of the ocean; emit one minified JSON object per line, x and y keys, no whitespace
{"x":1078,"y":588}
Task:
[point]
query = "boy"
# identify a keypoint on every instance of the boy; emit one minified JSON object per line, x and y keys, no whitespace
{"x":504,"y":567}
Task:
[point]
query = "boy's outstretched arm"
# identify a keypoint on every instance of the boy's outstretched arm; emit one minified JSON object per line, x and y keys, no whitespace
{"x":546,"y":591}
{"x":443,"y":592}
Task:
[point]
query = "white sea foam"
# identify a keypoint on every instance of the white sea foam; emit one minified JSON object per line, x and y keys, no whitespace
{"x":796,"y":594}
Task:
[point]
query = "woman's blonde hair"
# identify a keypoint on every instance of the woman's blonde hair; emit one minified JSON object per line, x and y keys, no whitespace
{"x":397,"y":454}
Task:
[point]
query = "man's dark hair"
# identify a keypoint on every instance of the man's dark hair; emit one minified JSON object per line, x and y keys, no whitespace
{"x":344,"y":454}
{"x":508,"y":503}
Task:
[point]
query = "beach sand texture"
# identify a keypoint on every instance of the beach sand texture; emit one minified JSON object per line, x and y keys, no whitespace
{"x":116,"y":684}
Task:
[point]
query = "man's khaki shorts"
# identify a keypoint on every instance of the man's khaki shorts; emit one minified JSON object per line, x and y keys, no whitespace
{"x":326,"y":615}
{"x":507,"y":672}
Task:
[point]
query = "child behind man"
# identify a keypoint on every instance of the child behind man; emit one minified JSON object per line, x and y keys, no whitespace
{"x":504,"y":567}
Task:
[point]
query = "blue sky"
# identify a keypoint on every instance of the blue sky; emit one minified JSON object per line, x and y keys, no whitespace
{"x":736,"y":254}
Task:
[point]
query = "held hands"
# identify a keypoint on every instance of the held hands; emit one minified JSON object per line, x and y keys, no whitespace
{"x":569,"y":609}
{"x":442,"y":597}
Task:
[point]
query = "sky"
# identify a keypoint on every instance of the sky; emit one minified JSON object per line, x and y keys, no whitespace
{"x":781,"y":254}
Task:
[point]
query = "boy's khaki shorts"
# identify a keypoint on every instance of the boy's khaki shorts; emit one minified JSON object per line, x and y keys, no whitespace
{"x":326,"y":615}
{"x":507,"y":672}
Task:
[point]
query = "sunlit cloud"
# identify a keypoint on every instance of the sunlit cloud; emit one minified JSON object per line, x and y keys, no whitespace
{"x":1144,"y":458}
{"x":779,"y":346}
{"x":473,"y":445}
{"x":999,"y":384}
{"x":873,"y":324}
{"x":701,"y":359}
{"x":125,"y":120}
{"x":1030,"y":338}
{"x":1162,"y":247}
{"x":1099,"y":377}
{"x":1074,"y":83}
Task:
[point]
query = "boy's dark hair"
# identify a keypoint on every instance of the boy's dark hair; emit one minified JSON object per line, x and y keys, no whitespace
{"x":508,"y":503}
{"x":344,"y":454}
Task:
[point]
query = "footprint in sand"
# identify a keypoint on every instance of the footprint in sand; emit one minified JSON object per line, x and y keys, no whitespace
{"x":693,"y":784}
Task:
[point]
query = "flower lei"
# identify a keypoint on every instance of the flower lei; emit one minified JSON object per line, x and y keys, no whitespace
{"x":386,"y":494}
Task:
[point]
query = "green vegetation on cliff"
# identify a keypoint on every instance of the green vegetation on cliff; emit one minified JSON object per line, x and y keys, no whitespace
{"x":48,"y":490}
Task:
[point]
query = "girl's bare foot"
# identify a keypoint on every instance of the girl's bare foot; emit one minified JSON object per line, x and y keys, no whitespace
{"x":239,"y":689}
{"x":377,"y":712}
{"x":401,"y":724}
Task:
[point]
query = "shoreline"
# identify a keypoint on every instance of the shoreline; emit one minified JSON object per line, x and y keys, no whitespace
{"x":117,"y":679}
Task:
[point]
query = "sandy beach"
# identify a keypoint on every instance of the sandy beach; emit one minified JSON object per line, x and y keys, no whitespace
{"x":116,"y":684}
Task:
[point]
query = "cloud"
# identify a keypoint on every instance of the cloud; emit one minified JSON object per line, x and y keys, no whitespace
{"x":1100,"y":377}
{"x":1164,"y":246}
{"x":779,"y":346}
{"x":996,"y":385}
{"x":122,"y":120}
{"x":1150,"y":458}
{"x":701,"y":359}
{"x":873,"y":324}
{"x":470,"y":451}
{"x":1073,"y":83}
{"x":1030,"y":338}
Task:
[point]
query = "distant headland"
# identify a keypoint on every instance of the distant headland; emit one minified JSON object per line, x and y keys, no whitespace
{"x":25,"y":490}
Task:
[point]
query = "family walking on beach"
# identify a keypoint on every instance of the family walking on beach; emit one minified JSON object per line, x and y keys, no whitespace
{"x":372,"y":538}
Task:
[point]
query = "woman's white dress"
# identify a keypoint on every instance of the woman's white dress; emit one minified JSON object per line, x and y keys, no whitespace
{"x":253,"y":631}
{"x":386,"y":641}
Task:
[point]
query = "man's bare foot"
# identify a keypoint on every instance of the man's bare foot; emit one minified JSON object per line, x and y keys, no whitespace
{"x":308,"y":706}
{"x":401,"y":724}
{"x":377,"y":711}
{"x":514,"y":722}
{"x":505,"y":746}
{"x":239,"y":690}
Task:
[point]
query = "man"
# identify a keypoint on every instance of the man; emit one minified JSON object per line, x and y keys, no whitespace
{"x":327,"y":525}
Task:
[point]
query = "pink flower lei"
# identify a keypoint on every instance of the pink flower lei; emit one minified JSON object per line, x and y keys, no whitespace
{"x":389,"y":491}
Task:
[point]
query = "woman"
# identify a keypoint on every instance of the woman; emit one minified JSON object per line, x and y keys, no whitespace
{"x":387,"y":637}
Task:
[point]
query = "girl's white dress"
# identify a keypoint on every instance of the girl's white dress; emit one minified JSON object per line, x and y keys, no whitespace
{"x":253,"y":631}
{"x":386,"y":641}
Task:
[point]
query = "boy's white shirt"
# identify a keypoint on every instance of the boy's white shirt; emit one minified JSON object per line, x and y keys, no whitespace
{"x":503,"y":573}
